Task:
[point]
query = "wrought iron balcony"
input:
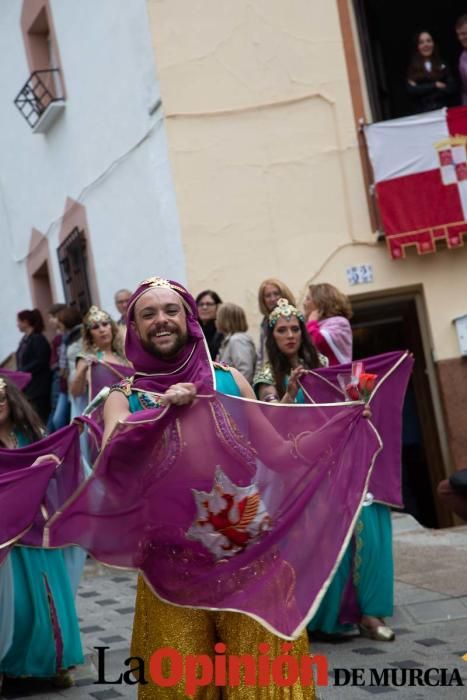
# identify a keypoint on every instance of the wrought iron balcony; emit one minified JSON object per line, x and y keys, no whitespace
{"x":40,"y":100}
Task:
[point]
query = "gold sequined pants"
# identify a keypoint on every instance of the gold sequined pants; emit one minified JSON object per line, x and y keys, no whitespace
{"x":193,"y":632}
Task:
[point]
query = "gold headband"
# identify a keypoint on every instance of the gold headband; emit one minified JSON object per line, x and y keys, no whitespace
{"x":95,"y":315}
{"x":285,"y":310}
{"x":161,"y":283}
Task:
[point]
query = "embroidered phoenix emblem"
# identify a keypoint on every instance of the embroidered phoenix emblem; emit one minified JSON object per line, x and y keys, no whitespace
{"x":230,"y":517}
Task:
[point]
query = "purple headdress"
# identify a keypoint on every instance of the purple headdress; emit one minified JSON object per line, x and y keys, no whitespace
{"x":192,"y":363}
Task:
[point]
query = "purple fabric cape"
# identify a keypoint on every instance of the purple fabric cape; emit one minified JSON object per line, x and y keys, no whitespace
{"x":228,"y":504}
{"x":35,"y":481}
{"x":25,"y":486}
{"x":393,"y":370}
{"x":101,"y":374}
{"x":21,"y":379}
{"x":104,"y":374}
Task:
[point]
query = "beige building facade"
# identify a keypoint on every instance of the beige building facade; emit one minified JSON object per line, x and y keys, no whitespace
{"x":262,"y":102}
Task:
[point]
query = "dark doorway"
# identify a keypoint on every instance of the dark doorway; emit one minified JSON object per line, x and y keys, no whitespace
{"x":388,"y":324}
{"x":72,"y":257}
{"x":386,"y":29}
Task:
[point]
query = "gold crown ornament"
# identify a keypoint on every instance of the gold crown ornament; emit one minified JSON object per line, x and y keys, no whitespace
{"x":161,"y":282}
{"x":284,"y":310}
{"x":95,"y":315}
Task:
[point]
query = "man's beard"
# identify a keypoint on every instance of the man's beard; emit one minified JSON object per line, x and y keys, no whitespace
{"x":167,"y":353}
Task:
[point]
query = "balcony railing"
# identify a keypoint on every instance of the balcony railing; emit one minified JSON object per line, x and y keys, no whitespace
{"x":43,"y":89}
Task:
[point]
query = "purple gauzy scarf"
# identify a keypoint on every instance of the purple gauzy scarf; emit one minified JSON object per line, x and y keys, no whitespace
{"x":35,"y":481}
{"x":104,"y":374}
{"x":21,"y":379}
{"x":228,"y":504}
{"x":192,"y":364}
{"x":21,"y":493}
{"x":393,"y":370}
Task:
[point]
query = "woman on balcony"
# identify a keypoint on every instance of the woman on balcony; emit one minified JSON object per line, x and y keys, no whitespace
{"x":429,"y":80}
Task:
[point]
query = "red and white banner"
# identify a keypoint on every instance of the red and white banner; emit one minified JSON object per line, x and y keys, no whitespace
{"x":420,"y":168}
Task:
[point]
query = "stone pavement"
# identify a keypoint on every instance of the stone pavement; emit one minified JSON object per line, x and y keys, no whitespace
{"x":430,"y":622}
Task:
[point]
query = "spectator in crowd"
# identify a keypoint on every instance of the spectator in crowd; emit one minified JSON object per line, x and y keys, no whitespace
{"x":237,"y":348}
{"x":54,"y":368}
{"x":207,"y":303}
{"x":461,"y":29}
{"x":33,"y":355}
{"x":122,"y":297}
{"x":328,"y":312}
{"x":429,"y":81}
{"x":269,"y":293}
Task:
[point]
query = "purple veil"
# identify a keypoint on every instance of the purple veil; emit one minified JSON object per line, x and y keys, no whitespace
{"x":35,"y":481}
{"x":393,"y":370}
{"x":228,"y":504}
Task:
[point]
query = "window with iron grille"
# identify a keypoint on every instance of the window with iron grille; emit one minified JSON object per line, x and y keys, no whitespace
{"x":72,"y":259}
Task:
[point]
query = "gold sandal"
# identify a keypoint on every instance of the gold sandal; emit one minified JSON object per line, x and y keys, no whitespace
{"x":380,"y":633}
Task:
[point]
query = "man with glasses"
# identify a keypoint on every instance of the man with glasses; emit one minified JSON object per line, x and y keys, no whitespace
{"x":122,"y":297}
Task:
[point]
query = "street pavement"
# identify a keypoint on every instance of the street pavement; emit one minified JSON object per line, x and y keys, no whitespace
{"x":430,"y":621}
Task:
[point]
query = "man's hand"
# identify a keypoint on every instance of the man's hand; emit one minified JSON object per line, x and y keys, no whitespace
{"x":179,"y":394}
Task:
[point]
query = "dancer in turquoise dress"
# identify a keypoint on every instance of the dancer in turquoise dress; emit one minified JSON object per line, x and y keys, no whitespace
{"x":45,"y":640}
{"x":362,"y":589}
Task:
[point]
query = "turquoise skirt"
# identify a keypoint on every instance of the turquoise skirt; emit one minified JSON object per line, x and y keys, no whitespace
{"x":46,"y":632}
{"x":6,"y":607}
{"x":369,"y":559}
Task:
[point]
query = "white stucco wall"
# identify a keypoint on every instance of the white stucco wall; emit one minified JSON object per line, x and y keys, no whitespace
{"x":105,"y":150}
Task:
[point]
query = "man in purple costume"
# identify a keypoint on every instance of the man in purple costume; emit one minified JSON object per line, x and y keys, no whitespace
{"x":461,"y":29}
{"x":164,"y":343}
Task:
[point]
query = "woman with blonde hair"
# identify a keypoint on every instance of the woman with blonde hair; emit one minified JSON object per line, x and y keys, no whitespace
{"x":269,"y":293}
{"x":101,"y":342}
{"x":328,"y":311}
{"x":237,"y":348}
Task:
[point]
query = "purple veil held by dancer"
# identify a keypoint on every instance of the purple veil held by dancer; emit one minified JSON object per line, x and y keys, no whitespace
{"x":393,"y":370}
{"x":212,"y":501}
{"x":34,"y":482}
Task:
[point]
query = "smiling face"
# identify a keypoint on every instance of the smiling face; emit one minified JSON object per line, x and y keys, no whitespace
{"x":271,"y":296}
{"x":288,"y":336}
{"x":425,"y":45}
{"x":160,"y":322}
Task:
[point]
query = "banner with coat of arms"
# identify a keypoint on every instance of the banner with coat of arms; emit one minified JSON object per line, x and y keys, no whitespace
{"x":420,"y":169}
